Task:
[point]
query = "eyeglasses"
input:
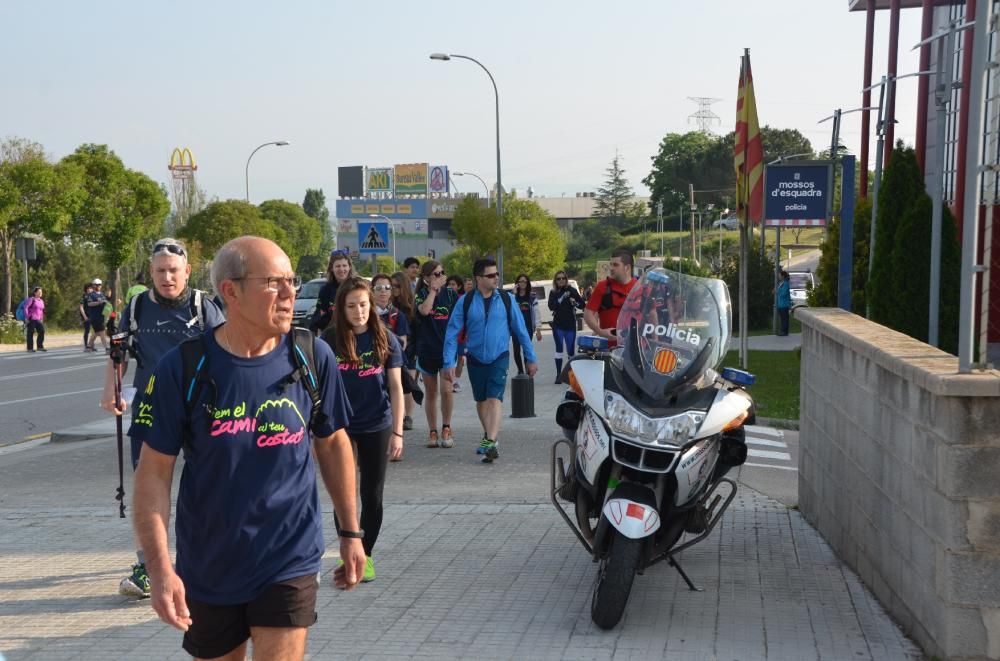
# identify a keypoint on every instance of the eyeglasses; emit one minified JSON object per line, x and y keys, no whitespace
{"x":383,"y":287}
{"x":491,"y":276}
{"x":438,"y":274}
{"x":172,"y":248}
{"x":275,"y":282}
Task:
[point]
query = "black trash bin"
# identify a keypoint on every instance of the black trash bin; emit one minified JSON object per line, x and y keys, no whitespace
{"x":522,"y":396}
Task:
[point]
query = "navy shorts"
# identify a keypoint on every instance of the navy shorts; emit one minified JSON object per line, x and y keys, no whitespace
{"x":219,"y":629}
{"x":489,"y":380}
{"x":429,"y":366}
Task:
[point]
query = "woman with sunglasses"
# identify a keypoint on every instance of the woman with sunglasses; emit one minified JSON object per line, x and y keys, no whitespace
{"x":434,"y":301}
{"x":564,"y":300}
{"x":392,"y":317}
{"x":402,"y":299}
{"x":527,"y":303}
{"x":369,"y":358}
{"x":338,"y":270}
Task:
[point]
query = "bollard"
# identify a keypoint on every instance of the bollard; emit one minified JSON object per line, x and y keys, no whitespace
{"x":522,"y":396}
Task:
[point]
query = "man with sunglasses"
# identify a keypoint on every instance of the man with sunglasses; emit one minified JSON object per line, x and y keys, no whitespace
{"x":488,"y":329}
{"x":157,"y":320}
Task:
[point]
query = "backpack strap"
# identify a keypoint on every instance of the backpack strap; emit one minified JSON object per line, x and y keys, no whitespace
{"x":304,"y":354}
{"x":467,"y":304}
{"x":133,"y":312}
{"x":607,"y":300}
{"x":197,"y":309}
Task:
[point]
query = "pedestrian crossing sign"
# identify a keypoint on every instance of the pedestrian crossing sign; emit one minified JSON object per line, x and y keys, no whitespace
{"x":373,"y":238}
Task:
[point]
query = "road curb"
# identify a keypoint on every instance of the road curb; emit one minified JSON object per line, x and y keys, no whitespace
{"x":778,"y":423}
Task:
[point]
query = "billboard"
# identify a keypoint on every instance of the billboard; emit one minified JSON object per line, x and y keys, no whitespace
{"x":392,"y":208}
{"x":438,"y":179}
{"x":411,"y":179}
{"x":351,"y":181}
{"x":379,"y":180}
{"x":798,"y":194}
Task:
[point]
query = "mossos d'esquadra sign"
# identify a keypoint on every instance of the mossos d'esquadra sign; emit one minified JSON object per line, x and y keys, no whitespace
{"x":798,"y":194}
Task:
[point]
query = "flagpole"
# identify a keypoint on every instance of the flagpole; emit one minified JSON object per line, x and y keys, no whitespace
{"x":745,"y":229}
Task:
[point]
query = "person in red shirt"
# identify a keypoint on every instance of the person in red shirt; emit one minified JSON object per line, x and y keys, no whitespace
{"x":601,"y":313}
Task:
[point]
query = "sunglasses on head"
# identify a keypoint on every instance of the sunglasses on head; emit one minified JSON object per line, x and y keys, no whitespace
{"x":339,"y":253}
{"x":172,"y":248}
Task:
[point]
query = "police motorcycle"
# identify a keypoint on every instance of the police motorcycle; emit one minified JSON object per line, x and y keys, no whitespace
{"x":650,"y":430}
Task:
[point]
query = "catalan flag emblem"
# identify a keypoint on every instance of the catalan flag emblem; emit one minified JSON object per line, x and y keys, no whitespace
{"x":664,"y":361}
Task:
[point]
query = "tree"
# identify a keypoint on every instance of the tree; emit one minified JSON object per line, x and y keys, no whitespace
{"x":901,"y":187}
{"x":824,"y":294}
{"x":303,"y":234}
{"x":760,"y":288}
{"x":36,"y":197}
{"x":614,"y":197}
{"x":221,"y":222}
{"x":533,"y":243}
{"x":476,"y":226}
{"x":120,"y":208}
{"x":314,"y":205}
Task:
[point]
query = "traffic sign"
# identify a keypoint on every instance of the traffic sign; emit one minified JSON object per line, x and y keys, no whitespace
{"x":373,"y":238}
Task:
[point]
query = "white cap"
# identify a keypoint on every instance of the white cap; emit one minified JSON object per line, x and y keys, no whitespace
{"x":96,"y":281}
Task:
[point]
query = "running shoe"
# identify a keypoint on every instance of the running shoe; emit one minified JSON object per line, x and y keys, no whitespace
{"x":136,"y":584}
{"x":456,"y":387}
{"x":492,"y":453}
{"x":369,"y":574}
{"x":432,"y":439}
{"x":483,"y":444}
{"x":407,"y":423}
{"x":446,"y":439}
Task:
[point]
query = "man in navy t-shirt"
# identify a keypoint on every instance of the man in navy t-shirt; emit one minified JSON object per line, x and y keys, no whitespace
{"x":249,"y":532}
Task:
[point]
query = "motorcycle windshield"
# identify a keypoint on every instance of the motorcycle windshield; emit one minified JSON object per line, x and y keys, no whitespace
{"x":672,"y":329}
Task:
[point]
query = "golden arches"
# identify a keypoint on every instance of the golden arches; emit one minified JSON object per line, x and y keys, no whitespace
{"x":182,"y":159}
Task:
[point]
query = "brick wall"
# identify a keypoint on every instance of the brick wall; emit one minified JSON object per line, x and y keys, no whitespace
{"x":899,"y":470}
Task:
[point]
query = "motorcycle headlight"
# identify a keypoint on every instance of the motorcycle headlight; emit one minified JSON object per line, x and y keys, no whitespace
{"x":625,"y":420}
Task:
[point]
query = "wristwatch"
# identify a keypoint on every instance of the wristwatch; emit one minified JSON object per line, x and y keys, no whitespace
{"x":351,"y":534}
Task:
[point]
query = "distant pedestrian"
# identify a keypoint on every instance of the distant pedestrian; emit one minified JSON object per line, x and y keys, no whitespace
{"x":489,"y":325}
{"x":435,"y":303}
{"x":783,"y":294}
{"x":369,"y":359}
{"x":402,"y":298}
{"x":457,"y":283}
{"x":96,"y":300}
{"x":137,"y":288}
{"x":34,"y":316}
{"x":527,"y":304}
{"x":411,"y":265}
{"x":338,"y":269}
{"x":564,"y":301}
{"x":468,"y":285}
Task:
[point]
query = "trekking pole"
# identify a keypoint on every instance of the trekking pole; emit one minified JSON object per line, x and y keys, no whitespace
{"x":117,"y":358}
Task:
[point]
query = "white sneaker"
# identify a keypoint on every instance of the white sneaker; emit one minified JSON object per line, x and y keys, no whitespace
{"x":456,"y":387}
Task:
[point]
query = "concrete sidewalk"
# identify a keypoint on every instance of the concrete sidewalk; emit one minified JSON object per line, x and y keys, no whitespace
{"x":472,"y":562}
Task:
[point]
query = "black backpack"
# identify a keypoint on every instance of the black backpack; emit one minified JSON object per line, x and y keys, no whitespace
{"x":467,"y":304}
{"x":195,"y":376}
{"x":195,"y":301}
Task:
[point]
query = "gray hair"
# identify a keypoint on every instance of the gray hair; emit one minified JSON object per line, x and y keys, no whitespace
{"x":230,"y":263}
{"x":168,"y":246}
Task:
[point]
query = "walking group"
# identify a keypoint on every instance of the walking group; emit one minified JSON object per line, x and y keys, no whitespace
{"x":260,"y":409}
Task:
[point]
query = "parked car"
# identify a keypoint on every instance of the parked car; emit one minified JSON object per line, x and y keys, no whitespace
{"x":305,"y":301}
{"x":730,"y":223}
{"x":799,"y":284}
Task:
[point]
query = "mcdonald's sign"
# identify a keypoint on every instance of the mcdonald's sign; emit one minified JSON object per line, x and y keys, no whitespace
{"x":182,"y":160}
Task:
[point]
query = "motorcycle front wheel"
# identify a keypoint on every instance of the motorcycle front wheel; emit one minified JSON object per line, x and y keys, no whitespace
{"x":614,"y":581}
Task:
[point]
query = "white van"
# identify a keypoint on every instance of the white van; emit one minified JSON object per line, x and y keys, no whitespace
{"x":542,"y":289}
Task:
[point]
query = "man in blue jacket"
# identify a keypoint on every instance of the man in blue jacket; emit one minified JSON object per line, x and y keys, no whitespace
{"x":487,"y":339}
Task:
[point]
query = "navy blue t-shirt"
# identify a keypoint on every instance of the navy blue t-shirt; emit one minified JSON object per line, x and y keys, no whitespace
{"x":430,"y":339}
{"x":366,"y":384}
{"x":396,"y":321}
{"x":248,"y":511}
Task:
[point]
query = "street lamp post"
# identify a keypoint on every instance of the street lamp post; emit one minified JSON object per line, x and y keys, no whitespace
{"x":473,"y":174}
{"x":276,"y":143}
{"x":444,"y":57}
{"x":392,"y":228}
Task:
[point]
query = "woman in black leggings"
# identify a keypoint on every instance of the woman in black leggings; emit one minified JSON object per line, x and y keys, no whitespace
{"x":370,"y":359}
{"x":527,"y":304}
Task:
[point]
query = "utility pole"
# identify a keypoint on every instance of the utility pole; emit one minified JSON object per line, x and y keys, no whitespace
{"x":692,"y":208}
{"x":705,"y":118}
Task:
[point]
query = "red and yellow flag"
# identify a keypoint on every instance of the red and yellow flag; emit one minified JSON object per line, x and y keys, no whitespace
{"x":748,"y":154}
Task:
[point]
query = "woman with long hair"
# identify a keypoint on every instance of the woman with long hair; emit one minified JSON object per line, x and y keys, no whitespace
{"x":527,"y":304}
{"x":369,"y":358}
{"x":338,"y":270}
{"x":564,"y":300}
{"x":434,"y":301}
{"x":402,"y":299}
{"x":458,"y":285}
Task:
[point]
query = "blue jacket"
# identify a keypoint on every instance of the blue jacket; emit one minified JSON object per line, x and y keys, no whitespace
{"x":486,"y":341}
{"x":784,"y":295}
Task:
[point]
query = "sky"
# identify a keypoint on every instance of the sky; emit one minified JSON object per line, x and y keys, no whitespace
{"x":351,"y":83}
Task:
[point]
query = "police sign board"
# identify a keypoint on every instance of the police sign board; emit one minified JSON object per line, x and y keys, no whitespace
{"x":798,"y":194}
{"x":373,"y":238}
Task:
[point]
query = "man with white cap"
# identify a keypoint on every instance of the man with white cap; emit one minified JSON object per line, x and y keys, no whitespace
{"x":95,"y":315}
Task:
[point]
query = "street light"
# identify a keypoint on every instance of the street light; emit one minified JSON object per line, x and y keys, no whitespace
{"x":445,"y":57}
{"x":276,"y":143}
{"x":473,"y":174}
{"x":392,"y":227}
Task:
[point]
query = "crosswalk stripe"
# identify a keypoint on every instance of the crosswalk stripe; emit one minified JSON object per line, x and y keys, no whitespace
{"x":765,"y":454}
{"x":761,"y":441}
{"x":784,"y":468}
{"x":756,"y":430}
